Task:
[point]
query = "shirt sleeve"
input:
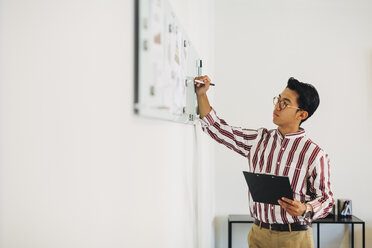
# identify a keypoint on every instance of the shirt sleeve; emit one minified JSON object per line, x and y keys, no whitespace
{"x":320,"y":187}
{"x":237,"y":139}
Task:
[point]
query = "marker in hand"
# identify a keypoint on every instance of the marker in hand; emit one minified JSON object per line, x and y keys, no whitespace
{"x":201,"y":82}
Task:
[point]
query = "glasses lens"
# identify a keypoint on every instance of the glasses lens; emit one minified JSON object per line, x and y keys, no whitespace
{"x":283,"y":105}
{"x":275,"y":100}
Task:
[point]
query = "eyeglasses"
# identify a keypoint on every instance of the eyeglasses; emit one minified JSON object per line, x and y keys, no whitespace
{"x":282,"y":103}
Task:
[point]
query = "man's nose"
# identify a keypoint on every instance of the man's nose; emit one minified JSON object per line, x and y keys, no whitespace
{"x":277,"y":106}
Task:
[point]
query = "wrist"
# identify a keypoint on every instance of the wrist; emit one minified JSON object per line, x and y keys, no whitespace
{"x":305,"y":209}
{"x":202,"y":95}
{"x":308,"y":211}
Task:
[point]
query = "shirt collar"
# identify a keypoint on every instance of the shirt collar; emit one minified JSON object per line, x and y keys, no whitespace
{"x":300,"y":133}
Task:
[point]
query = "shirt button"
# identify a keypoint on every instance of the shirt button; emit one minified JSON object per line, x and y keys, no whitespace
{"x":278,"y":163}
{"x":282,"y":149}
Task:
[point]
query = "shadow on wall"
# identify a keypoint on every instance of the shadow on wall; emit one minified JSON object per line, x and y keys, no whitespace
{"x":368,"y":236}
{"x":239,"y":233}
{"x":332,"y":235}
{"x":369,"y":84}
{"x":358,"y":236}
{"x":369,"y":88}
{"x":339,"y":236}
{"x":220,"y":231}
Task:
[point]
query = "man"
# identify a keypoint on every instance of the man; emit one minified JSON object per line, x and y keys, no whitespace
{"x":285,"y":151}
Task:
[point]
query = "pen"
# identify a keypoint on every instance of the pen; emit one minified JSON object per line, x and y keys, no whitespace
{"x":201,"y":82}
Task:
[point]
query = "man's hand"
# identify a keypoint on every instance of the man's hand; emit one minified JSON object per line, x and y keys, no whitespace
{"x":201,"y":92}
{"x":293,"y":207}
{"x":201,"y":89}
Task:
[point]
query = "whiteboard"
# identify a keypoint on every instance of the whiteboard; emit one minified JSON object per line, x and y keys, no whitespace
{"x":166,"y":63}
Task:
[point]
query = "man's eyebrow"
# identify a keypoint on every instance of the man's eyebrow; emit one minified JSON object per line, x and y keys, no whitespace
{"x":285,"y":98}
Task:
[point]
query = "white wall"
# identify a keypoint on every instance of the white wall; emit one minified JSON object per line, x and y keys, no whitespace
{"x":77,"y":168}
{"x":259,"y":45}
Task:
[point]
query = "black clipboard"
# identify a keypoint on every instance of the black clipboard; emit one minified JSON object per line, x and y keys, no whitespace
{"x":268,"y":188}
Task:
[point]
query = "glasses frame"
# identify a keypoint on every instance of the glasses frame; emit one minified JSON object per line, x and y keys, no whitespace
{"x":282,"y":103}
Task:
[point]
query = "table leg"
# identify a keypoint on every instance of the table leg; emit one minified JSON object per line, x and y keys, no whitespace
{"x":230,"y":231}
{"x":352,"y":235}
{"x":364,"y":237}
{"x":318,"y":234}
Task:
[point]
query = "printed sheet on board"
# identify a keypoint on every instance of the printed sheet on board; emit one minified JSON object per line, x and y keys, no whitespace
{"x":166,"y":63}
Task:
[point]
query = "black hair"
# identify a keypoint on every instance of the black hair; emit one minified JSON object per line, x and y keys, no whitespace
{"x":308,"y":97}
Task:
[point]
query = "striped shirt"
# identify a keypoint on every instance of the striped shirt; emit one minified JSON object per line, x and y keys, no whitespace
{"x":268,"y":152}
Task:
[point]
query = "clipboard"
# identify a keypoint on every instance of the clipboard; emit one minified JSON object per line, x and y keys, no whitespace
{"x":268,"y":188}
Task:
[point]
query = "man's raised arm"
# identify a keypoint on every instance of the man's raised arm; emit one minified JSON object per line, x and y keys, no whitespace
{"x":235,"y":138}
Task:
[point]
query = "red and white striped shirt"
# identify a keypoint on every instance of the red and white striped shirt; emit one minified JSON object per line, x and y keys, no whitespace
{"x":295,"y":156}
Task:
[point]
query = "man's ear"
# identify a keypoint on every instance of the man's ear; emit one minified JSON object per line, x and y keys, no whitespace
{"x":302,"y":115}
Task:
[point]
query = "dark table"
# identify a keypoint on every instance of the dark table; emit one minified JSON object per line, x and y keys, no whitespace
{"x":329,"y":220}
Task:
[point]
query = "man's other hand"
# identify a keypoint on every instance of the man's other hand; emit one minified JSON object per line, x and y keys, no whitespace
{"x":293,"y":207}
